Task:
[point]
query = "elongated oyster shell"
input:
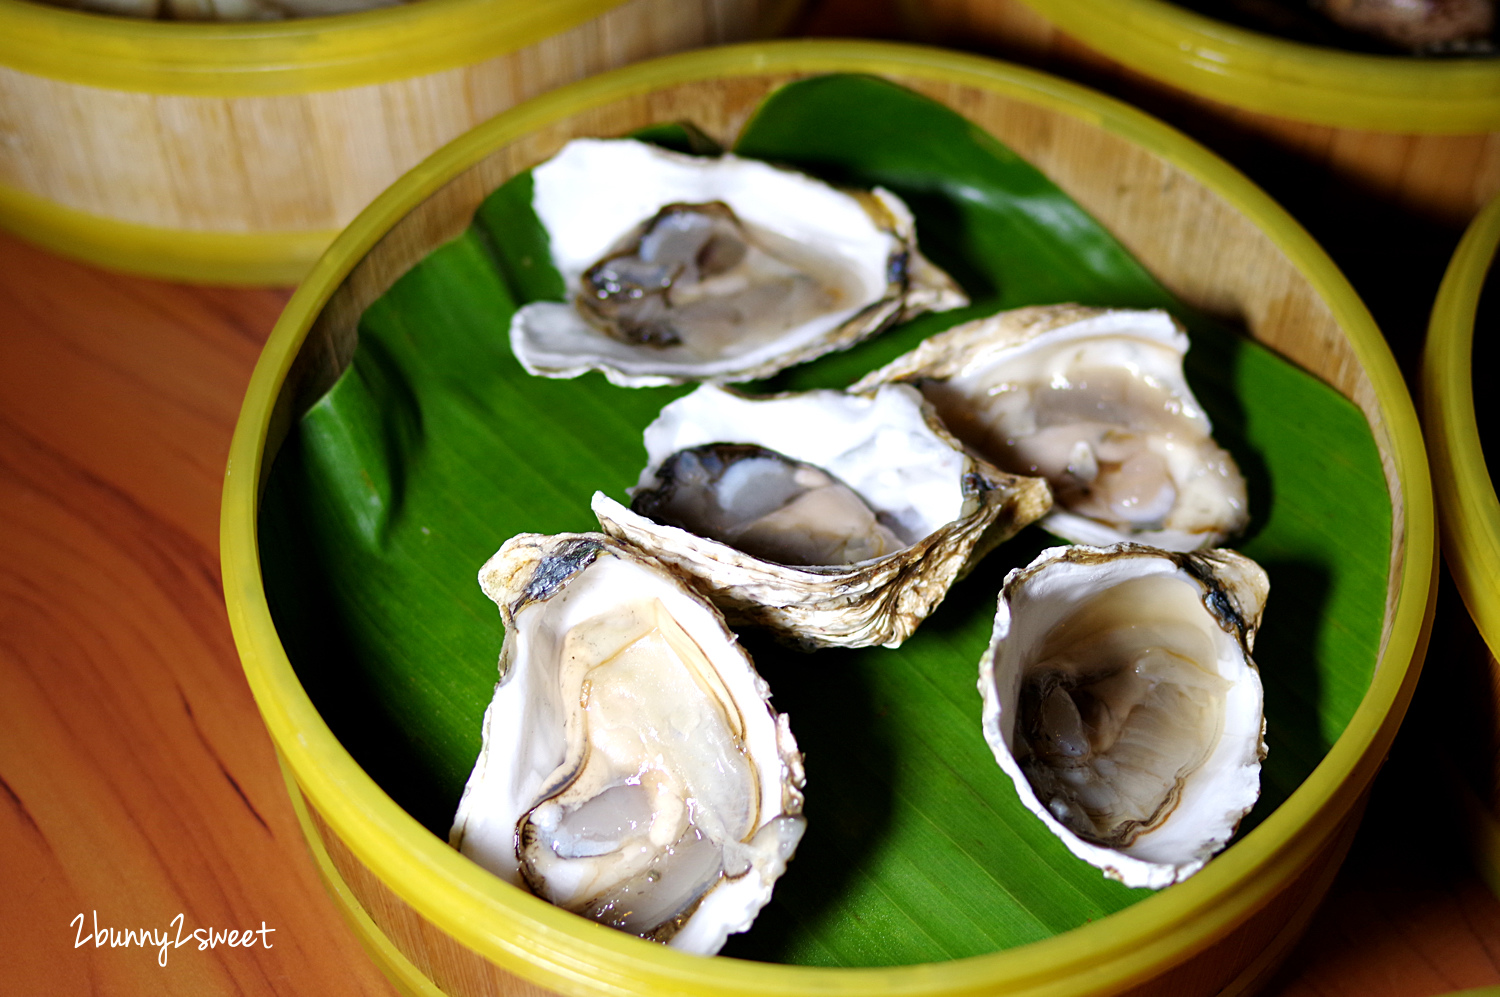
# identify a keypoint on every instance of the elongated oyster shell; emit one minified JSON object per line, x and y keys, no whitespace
{"x":1120,"y":697}
{"x":946,"y":508}
{"x":632,"y":768}
{"x":1095,"y":401}
{"x":689,"y":268}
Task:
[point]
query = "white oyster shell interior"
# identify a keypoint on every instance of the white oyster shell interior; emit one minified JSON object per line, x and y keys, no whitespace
{"x":807,"y":269}
{"x":1126,"y":711}
{"x":632,"y":770}
{"x":1096,"y":402}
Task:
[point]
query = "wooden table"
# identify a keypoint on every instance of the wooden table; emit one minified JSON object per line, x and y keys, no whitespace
{"x":136,"y":780}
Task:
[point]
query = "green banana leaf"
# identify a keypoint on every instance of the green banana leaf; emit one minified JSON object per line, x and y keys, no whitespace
{"x":435,"y":447}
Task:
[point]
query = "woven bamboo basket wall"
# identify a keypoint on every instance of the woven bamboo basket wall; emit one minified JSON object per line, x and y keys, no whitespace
{"x":439,"y":924}
{"x":235,"y":152}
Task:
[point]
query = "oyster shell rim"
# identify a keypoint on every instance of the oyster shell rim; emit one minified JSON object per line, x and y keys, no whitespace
{"x":1234,"y":594}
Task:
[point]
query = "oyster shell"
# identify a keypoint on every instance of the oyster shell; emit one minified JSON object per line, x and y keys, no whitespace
{"x":1422,"y":26}
{"x":943,"y":507}
{"x":1120,"y":697}
{"x":689,"y":268}
{"x":1095,"y":401}
{"x":632,"y":768}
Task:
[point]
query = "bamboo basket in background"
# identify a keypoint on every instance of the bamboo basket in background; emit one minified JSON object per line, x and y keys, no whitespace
{"x":234,"y":152}
{"x":1422,"y":134}
{"x":1465,"y":709}
{"x":439,"y":924}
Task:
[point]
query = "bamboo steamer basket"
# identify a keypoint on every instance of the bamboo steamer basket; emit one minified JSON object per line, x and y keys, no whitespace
{"x":235,"y":152}
{"x":439,"y":924}
{"x":1423,"y":134}
{"x":1470,"y":519}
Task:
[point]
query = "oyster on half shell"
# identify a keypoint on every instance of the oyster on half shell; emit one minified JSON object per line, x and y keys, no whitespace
{"x":1120,"y":697}
{"x":1095,"y":401}
{"x":831,"y":519}
{"x":690,"y":268}
{"x":632,"y":769}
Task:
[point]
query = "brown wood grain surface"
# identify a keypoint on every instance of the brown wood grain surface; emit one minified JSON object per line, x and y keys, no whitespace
{"x":136,"y":779}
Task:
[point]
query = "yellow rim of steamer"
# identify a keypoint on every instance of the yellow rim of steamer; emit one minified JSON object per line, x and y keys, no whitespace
{"x":1465,"y":491}
{"x":1470,"y":509}
{"x":1287,"y":79}
{"x":248,"y":259}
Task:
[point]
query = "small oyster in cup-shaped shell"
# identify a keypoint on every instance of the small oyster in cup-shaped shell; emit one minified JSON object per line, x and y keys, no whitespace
{"x":632,"y":769}
{"x":842,"y":518}
{"x":1121,"y":699}
{"x":1095,"y":401}
{"x":718,"y":269}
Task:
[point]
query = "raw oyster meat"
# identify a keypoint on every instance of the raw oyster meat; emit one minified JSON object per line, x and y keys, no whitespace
{"x":689,"y":268}
{"x":632,"y":768}
{"x":1095,"y":401}
{"x":1120,"y":697}
{"x":832,"y":519}
{"x":767,"y":505}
